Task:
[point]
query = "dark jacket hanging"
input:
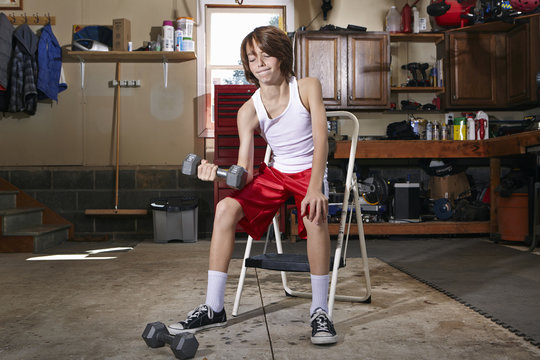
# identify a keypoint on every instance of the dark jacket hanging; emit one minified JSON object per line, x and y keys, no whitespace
{"x":23,"y":96}
{"x":6,"y":36}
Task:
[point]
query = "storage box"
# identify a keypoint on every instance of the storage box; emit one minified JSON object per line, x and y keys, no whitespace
{"x":121,"y":34}
{"x":407,"y":201}
{"x":175,"y":218}
{"x":450,"y":186}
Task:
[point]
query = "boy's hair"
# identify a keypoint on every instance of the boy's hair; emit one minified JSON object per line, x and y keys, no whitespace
{"x":273,"y":42}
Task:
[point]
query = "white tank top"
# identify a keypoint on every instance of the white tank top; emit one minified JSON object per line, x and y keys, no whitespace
{"x":290,"y":134}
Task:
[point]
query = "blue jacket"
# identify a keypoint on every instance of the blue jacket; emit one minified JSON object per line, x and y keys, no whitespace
{"x":49,"y":59}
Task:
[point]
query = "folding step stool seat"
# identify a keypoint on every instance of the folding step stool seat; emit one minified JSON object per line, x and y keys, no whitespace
{"x":298,"y":262}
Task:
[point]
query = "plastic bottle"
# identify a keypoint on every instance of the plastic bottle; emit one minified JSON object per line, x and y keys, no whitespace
{"x":416,"y":20}
{"x":185,"y":24}
{"x":429,"y":131}
{"x":471,"y":131}
{"x":393,"y":20}
{"x":167,"y":36}
{"x":406,"y":17}
{"x":178,"y":35}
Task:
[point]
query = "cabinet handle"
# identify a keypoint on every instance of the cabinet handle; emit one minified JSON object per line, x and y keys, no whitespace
{"x":339,"y":94}
{"x":350,"y":97}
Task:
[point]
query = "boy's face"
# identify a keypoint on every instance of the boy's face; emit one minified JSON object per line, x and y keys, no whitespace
{"x":264,"y":67}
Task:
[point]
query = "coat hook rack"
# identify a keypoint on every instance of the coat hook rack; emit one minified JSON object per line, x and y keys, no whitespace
{"x":35,"y":19}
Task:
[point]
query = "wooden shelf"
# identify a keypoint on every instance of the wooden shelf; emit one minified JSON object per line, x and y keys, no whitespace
{"x":416,"y":89}
{"x":421,"y":37}
{"x":411,"y":149}
{"x":128,"y":56}
{"x":515,"y":144}
{"x":427,"y":227}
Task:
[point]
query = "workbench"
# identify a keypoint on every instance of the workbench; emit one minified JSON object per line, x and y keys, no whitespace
{"x":493,"y":149}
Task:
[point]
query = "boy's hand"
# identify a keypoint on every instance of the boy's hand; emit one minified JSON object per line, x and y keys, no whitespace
{"x":318,"y":207}
{"x":207,"y":171}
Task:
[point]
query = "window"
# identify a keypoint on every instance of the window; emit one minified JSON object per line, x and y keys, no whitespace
{"x":221,"y":29}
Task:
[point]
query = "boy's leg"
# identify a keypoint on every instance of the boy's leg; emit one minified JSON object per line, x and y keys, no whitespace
{"x":318,"y":249}
{"x":212,"y":313}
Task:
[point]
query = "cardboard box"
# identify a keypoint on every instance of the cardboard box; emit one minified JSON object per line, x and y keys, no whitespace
{"x":121,"y":34}
{"x":451,"y":186}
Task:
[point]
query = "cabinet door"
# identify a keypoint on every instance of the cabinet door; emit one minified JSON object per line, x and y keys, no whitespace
{"x":322,"y":56}
{"x":369,"y":70}
{"x":517,"y":65}
{"x":474,"y":70}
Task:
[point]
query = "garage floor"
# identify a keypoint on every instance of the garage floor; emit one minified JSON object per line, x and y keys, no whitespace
{"x":96,"y":307}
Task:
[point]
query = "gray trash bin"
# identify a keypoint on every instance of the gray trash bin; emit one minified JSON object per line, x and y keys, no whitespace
{"x":175,"y":218}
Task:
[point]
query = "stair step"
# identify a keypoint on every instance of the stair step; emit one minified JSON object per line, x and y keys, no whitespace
{"x":284,"y":262}
{"x":15,"y":219}
{"x":37,"y":230}
{"x":39,"y":237}
{"x":8,"y":199}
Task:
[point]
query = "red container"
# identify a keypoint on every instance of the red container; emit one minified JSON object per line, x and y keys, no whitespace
{"x":453,"y":15}
{"x":406,"y":18}
{"x":513,"y":217}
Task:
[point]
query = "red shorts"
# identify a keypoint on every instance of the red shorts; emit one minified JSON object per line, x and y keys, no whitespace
{"x":262,"y":197}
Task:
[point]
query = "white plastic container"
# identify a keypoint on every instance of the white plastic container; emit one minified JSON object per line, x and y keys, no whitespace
{"x":188,"y":45}
{"x":393,"y":20}
{"x":416,"y":20}
{"x":167,"y":36}
{"x":471,"y":131}
{"x":178,"y":35}
{"x":186,"y":25}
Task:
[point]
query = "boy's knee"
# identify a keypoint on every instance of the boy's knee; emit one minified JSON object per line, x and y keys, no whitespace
{"x":228,"y":210}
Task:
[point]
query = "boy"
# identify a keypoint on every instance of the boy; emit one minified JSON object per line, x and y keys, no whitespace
{"x":291,"y":117}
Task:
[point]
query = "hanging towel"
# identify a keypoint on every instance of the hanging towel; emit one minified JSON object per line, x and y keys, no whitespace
{"x":49,"y":60}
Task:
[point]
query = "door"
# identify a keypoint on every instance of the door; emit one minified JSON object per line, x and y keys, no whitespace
{"x":369,"y":70}
{"x":473,"y":69}
{"x":322,"y":55}
{"x":518,"y":67}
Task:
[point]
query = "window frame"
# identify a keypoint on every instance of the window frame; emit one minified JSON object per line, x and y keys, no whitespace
{"x":202,"y":96}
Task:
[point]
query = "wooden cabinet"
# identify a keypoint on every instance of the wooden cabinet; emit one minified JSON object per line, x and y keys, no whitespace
{"x":353,"y":67}
{"x":518,"y":70}
{"x":475,"y":68}
{"x":493,"y":65}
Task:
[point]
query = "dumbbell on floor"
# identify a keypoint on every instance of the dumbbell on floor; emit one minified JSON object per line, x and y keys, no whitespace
{"x":183,"y":346}
{"x":235,"y":176}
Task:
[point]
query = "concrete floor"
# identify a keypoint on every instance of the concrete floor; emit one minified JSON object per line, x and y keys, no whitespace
{"x":97,"y":309}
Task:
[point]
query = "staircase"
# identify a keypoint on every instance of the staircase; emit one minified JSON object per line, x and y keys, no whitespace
{"x":26,"y":225}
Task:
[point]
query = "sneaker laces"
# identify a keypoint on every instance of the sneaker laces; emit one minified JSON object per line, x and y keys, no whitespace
{"x":195,"y":313}
{"x":322,"y":323}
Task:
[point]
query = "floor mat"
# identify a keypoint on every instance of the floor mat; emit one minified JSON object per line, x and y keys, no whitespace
{"x":499,"y":282}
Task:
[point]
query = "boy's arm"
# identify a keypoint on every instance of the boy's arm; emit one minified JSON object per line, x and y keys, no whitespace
{"x":247,"y":122}
{"x":311,"y":94}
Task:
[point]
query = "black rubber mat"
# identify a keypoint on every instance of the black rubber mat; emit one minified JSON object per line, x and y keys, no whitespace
{"x":500,"y":283}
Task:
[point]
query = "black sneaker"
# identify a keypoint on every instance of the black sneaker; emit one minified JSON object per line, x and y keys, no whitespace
{"x":202,"y":317}
{"x":322,"y":329}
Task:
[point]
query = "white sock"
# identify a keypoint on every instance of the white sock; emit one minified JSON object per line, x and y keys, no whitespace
{"x":319,"y":292}
{"x":215,"y":292}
